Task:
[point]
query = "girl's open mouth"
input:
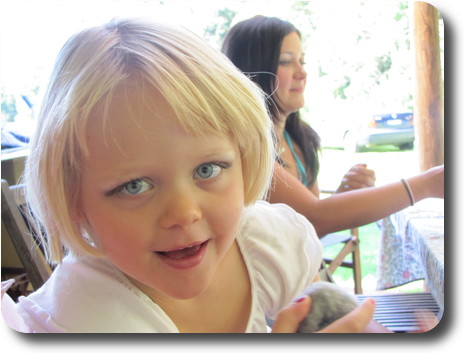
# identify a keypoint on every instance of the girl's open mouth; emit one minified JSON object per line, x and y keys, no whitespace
{"x":184,"y":258}
{"x":182,"y":253}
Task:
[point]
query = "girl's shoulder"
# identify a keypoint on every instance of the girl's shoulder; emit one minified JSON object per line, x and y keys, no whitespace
{"x":282,"y":253}
{"x":277,"y":221}
{"x":276,"y":229}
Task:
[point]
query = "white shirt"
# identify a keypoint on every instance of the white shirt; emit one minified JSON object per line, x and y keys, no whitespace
{"x":280,"y":248}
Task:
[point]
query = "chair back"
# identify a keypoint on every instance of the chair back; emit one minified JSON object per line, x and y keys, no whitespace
{"x":22,"y":236}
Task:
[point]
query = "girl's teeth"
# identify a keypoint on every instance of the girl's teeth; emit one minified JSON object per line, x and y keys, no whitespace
{"x":182,"y":253}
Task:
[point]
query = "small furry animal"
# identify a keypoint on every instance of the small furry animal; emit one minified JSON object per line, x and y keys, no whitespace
{"x":329,"y":303}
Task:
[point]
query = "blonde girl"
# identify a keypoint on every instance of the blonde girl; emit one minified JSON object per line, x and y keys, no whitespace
{"x":151,"y":155}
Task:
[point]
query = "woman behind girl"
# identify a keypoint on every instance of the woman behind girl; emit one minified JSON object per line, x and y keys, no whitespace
{"x":270,"y":52}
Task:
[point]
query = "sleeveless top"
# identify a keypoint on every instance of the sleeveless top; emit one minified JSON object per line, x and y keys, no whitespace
{"x":302,"y":175}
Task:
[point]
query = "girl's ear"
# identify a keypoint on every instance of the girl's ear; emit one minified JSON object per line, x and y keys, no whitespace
{"x":77,"y":215}
{"x":80,"y":219}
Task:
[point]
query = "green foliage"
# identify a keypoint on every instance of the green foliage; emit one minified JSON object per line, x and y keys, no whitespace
{"x":384,"y":63}
{"x":402,"y":8}
{"x":322,"y":73}
{"x":360,"y":50}
{"x":303,"y":17}
{"x":8,"y":107}
{"x":218,"y":28}
{"x":339,"y":92}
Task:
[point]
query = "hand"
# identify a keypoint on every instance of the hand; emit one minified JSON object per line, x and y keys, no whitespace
{"x":357,"y":177}
{"x":426,"y":320}
{"x":288,"y":319}
{"x":359,"y":320}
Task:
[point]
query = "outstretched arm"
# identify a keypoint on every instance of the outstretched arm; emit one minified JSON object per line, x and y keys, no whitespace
{"x":355,"y":208}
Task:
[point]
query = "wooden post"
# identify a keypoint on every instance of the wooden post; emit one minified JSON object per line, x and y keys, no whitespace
{"x":428,"y":98}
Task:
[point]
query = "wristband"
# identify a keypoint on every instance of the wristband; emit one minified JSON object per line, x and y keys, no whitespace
{"x":408,"y":189}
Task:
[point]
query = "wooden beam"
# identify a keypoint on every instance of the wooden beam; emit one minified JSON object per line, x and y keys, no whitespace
{"x":428,"y":97}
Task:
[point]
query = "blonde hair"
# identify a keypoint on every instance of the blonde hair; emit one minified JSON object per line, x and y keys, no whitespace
{"x":205,"y":90}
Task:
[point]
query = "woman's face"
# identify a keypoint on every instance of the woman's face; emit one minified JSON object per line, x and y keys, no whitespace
{"x":163,"y":205}
{"x":291,"y":75}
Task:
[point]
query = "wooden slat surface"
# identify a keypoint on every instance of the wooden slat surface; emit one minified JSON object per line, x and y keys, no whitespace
{"x":397,"y":311}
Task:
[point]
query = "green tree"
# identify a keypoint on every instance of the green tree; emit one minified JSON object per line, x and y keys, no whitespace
{"x":8,"y":107}
{"x":216,"y":31}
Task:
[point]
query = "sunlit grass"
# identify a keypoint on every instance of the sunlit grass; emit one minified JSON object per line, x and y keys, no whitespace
{"x":369,"y":236}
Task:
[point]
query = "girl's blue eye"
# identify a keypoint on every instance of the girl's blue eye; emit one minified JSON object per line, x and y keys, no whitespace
{"x":135,"y":187}
{"x":207,"y":171}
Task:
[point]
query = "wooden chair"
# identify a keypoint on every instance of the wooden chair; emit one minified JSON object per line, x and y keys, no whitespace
{"x":32,"y":258}
{"x":351,"y":246}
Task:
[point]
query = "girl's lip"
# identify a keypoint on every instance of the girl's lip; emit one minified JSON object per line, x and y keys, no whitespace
{"x":184,"y":258}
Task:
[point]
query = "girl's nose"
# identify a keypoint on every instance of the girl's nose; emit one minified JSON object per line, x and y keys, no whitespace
{"x":181,"y":210}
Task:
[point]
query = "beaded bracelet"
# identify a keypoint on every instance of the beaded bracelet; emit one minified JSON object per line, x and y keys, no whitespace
{"x":408,"y":189}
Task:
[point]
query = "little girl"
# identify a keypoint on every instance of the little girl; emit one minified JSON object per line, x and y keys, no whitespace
{"x":151,"y":155}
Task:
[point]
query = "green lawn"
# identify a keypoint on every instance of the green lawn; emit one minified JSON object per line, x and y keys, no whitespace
{"x":369,"y":236}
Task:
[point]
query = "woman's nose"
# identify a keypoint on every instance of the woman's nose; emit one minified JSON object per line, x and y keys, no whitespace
{"x":300,"y":71}
{"x":180,"y":210}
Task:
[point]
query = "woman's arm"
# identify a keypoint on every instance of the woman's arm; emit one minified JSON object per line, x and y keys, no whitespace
{"x":355,"y":208}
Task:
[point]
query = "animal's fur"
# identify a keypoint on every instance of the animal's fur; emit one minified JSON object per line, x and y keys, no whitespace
{"x":329,"y":303}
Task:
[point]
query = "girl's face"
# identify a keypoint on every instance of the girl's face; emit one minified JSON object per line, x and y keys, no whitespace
{"x":163,"y":205}
{"x":291,"y":74}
